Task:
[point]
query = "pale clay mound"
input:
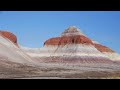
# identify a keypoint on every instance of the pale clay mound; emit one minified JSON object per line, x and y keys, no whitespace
{"x":53,"y":61}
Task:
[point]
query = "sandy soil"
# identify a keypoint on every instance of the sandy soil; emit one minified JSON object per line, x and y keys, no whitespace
{"x":10,"y":70}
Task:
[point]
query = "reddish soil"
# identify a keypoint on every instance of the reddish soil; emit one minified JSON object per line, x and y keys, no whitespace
{"x":78,"y":39}
{"x":102,"y":48}
{"x":9,"y":36}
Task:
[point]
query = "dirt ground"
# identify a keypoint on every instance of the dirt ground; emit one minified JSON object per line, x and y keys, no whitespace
{"x":10,"y":70}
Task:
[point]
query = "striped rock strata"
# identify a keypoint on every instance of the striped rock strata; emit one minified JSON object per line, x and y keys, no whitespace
{"x":72,"y":46}
{"x":9,"y":50}
{"x":68,"y":54}
{"x":10,"y":36}
{"x":112,"y":55}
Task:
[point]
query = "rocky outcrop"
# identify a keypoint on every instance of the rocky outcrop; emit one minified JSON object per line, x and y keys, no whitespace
{"x":71,"y":43}
{"x":72,"y":31}
{"x":71,"y":53}
{"x":77,"y":44}
{"x":102,"y":48}
{"x":9,"y":36}
{"x":78,"y":39}
{"x":112,"y":55}
{"x":72,"y":35}
{"x":9,"y":52}
{"x":71,"y":46}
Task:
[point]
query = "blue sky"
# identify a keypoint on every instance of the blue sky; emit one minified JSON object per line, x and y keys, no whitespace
{"x":32,"y":28}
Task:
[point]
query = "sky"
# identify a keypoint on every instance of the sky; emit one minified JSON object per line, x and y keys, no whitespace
{"x":33,"y":28}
